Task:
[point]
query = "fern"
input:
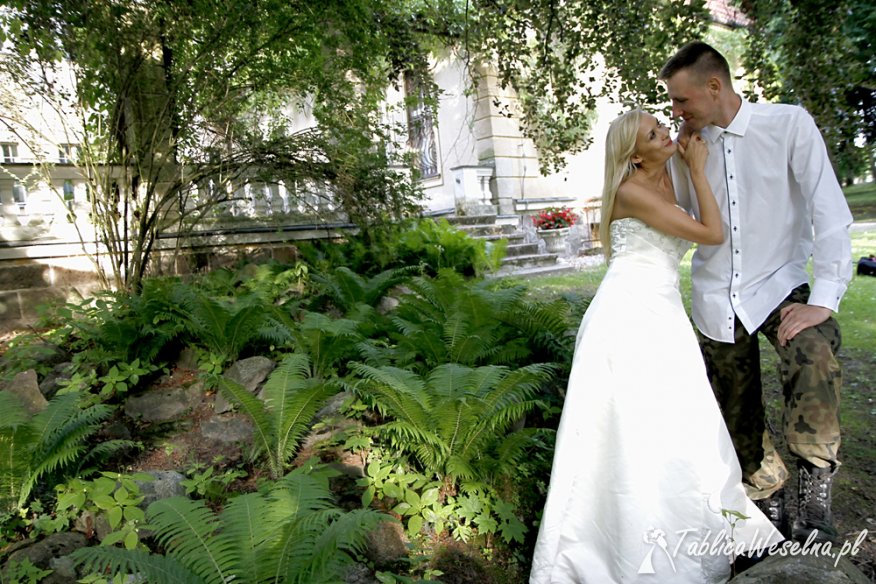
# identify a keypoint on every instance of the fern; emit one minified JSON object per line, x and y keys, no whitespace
{"x":291,"y":533}
{"x":290,"y":400}
{"x":457,"y":417}
{"x":448,"y":319}
{"x":52,"y":441}
{"x":330,"y":343}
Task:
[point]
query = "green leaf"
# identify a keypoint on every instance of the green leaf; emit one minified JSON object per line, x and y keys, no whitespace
{"x":368,"y":496}
{"x":131,"y":540}
{"x":105,"y":502}
{"x":415,"y":524}
{"x":134,"y":514}
{"x":114,"y":516}
{"x":113,"y":538}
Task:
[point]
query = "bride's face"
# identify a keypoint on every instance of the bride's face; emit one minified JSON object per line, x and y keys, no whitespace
{"x":653,"y":142}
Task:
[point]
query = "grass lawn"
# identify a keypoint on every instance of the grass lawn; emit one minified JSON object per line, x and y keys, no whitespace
{"x":862,"y":201}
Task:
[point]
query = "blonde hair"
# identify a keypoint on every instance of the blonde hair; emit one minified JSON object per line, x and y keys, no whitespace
{"x":620,"y":144}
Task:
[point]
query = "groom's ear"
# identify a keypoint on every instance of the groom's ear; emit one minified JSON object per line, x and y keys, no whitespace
{"x":714,"y":85}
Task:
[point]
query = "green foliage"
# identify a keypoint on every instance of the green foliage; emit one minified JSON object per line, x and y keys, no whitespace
{"x":456,"y":421}
{"x":438,"y":245}
{"x":811,"y":54}
{"x":209,"y":484}
{"x":562,"y":57}
{"x":291,"y":397}
{"x":447,"y":319}
{"x":22,"y":572}
{"x":226,"y":326}
{"x":186,"y":93}
{"x":329,"y":343}
{"x":114,"y":496}
{"x":422,"y":501}
{"x":346,"y":290}
{"x":36,"y":449}
{"x":292,"y":533}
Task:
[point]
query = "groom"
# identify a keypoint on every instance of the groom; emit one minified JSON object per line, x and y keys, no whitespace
{"x":781,"y":203}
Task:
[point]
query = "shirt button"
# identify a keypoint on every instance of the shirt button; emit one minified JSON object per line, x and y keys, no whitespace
{"x":729,"y":151}
{"x":737,"y":275}
{"x":731,"y":177}
{"x":734,"y":228}
{"x":733,"y":202}
{"x":737,"y":251}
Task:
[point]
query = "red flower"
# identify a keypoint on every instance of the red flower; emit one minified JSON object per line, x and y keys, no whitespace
{"x":555,"y":218}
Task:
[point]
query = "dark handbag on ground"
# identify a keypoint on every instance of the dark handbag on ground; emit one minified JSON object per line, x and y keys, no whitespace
{"x":867,"y":266}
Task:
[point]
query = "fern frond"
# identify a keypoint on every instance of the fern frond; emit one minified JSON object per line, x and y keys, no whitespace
{"x":399,"y":391}
{"x":152,"y":568}
{"x":343,"y":541}
{"x":264,"y":427}
{"x":16,"y":449}
{"x":106,"y":450}
{"x":12,"y":411}
{"x":292,"y":400}
{"x":186,"y":529}
{"x":247,"y":527}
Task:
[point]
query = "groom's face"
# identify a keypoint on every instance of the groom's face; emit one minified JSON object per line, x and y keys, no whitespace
{"x":692,"y":100}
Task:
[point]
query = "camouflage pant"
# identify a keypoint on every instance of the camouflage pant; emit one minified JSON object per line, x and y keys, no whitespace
{"x":811,"y":380}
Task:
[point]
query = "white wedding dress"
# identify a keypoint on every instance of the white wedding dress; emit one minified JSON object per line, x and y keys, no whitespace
{"x":644,"y":465}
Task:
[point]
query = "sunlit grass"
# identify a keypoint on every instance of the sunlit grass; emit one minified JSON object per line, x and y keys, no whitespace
{"x":857,"y":316}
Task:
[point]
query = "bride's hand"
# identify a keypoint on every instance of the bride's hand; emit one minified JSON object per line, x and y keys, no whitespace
{"x":695,"y":152}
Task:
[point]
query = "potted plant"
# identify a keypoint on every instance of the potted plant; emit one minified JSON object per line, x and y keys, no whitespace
{"x":552,"y":225}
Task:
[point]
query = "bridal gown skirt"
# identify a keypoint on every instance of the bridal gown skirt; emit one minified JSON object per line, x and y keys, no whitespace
{"x":643,"y":465}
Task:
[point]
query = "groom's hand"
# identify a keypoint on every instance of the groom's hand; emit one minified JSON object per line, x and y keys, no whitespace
{"x":799,"y":317}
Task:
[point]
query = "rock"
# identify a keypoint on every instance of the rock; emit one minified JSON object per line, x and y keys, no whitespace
{"x":51,"y":383}
{"x":166,"y":484}
{"x":54,"y":546}
{"x":249,"y":373}
{"x":162,"y":405}
{"x":25,"y":386}
{"x":359,"y":574}
{"x":187,"y":359}
{"x":387,"y":545}
{"x":778,"y":569}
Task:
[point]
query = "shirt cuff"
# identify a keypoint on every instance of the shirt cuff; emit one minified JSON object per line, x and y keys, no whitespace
{"x":827,"y":294}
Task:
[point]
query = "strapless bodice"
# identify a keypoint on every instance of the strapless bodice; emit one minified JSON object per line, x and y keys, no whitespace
{"x":632,"y":238}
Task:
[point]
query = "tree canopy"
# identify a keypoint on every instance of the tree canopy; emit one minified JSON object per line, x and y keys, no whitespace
{"x":173,"y":93}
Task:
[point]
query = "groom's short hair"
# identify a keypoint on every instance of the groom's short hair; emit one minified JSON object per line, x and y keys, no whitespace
{"x":701,"y":58}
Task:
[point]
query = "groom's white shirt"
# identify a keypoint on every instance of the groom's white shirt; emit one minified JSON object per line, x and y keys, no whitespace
{"x":781,"y":204}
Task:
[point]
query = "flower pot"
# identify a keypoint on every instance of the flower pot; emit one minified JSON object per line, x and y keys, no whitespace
{"x":554,"y":239}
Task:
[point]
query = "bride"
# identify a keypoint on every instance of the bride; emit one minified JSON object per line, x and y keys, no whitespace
{"x":645,"y":485}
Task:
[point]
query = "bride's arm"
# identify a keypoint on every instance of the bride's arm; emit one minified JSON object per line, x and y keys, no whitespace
{"x":694,"y":153}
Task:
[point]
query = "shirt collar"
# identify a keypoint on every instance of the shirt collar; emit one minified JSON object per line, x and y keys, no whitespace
{"x":737,"y":126}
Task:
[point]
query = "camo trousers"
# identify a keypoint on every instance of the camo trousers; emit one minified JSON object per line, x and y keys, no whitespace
{"x":811,"y":379}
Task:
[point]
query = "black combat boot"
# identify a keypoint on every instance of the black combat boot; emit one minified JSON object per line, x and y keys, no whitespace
{"x":813,"y":504}
{"x":774,"y":508}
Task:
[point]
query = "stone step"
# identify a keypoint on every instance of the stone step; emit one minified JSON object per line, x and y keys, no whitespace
{"x":482,"y":229}
{"x":471,"y":219}
{"x":529,"y":260}
{"x":535,"y":271}
{"x":519,"y":249}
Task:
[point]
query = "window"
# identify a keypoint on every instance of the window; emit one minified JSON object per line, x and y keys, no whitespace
{"x":10,"y":152}
{"x":19,"y":195}
{"x":69,"y":193}
{"x":67,"y":153}
{"x":421,"y":126}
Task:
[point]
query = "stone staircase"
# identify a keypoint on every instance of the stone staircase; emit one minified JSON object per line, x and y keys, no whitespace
{"x":522,"y":257}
